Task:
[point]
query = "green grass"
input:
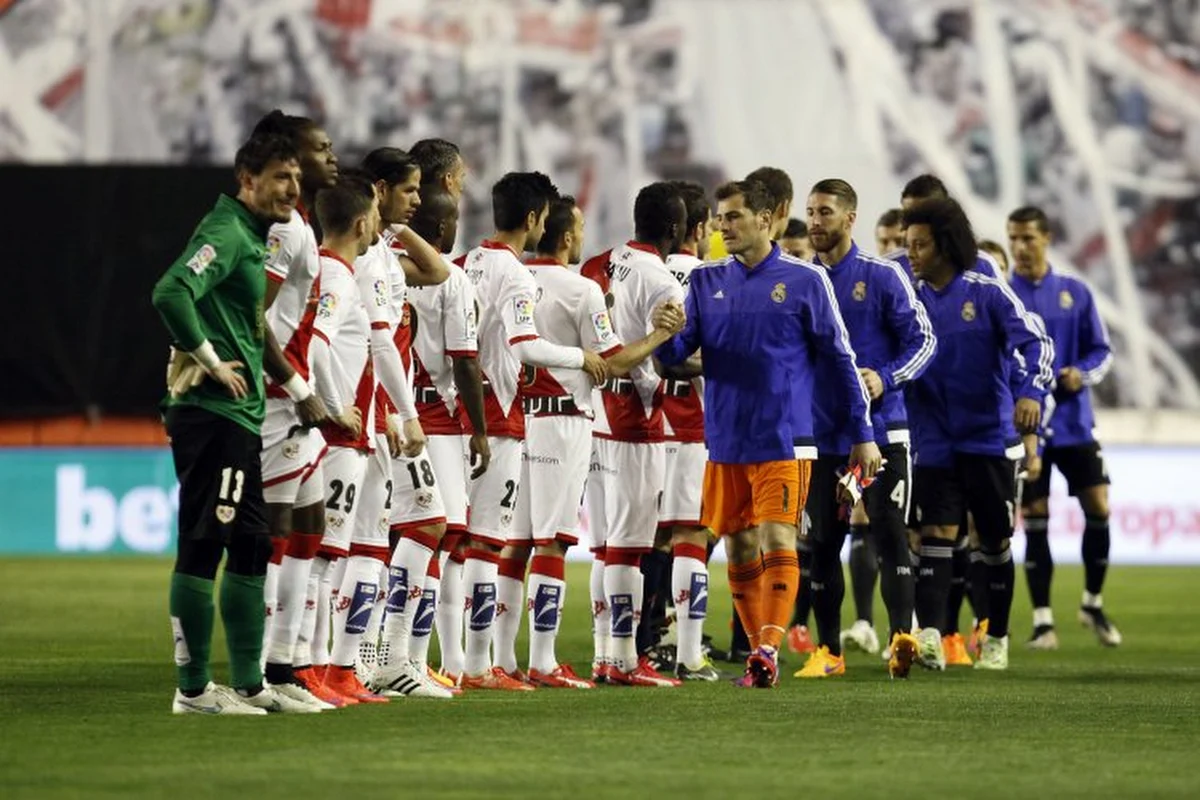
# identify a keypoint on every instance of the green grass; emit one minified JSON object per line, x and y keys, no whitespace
{"x":86,"y":680}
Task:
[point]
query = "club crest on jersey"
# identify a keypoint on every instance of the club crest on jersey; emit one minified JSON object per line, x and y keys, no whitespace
{"x":1065,"y":300}
{"x":291,"y":450}
{"x":968,"y":311}
{"x":779,"y":293}
{"x":860,"y":291}
{"x":424,"y":498}
{"x":225,"y":513}
{"x":523,"y":310}
{"x":202,"y":258}
{"x":334,"y":521}
{"x":327,"y":305}
{"x":383,"y":297}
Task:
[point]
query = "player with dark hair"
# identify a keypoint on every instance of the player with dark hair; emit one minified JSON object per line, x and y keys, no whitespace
{"x":508,"y":338}
{"x":795,"y":241}
{"x":965,"y":422}
{"x":893,"y":343}
{"x":211,"y":301}
{"x":442,"y":166}
{"x":889,"y":232}
{"x":760,"y":367}
{"x":1083,"y":357}
{"x":779,"y":189}
{"x":923,"y":187}
{"x":996,"y":251}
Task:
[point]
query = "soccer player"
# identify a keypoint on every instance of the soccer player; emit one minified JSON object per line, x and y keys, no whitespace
{"x":996,"y":251}
{"x":764,"y":322}
{"x":930,"y":187}
{"x":211,"y":301}
{"x":442,"y":167}
{"x":893,"y":344}
{"x":508,"y":337}
{"x":628,"y":450}
{"x":683,"y":424}
{"x":795,"y":240}
{"x":1082,"y":357}
{"x":965,"y":422}
{"x":570,"y":312}
{"x":780,"y":191}
{"x":889,"y":232}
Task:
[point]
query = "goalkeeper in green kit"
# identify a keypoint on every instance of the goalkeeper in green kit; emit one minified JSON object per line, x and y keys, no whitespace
{"x":211,"y":300}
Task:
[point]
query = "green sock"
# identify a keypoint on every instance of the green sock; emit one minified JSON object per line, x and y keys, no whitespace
{"x":242,"y":613}
{"x":191,"y":607}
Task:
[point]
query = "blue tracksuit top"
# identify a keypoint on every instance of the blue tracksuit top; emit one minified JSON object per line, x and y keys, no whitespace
{"x":890,"y":333}
{"x":763,"y":332}
{"x":984,"y":264}
{"x":1080,"y":340}
{"x":963,"y":402}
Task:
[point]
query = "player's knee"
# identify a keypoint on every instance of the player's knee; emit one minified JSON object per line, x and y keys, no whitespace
{"x":947,"y":532}
{"x":248,"y":555}
{"x":279,"y":519}
{"x":199,"y":558}
{"x":518,"y":552}
{"x":310,"y":518}
{"x":994,"y":545}
{"x":692,"y":536}
{"x":742,"y":547}
{"x":1036,"y":508}
{"x":858,"y":514}
{"x":1094,"y":502}
{"x":777,"y":536}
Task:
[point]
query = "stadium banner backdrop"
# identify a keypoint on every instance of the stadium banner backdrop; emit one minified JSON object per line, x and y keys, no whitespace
{"x":124,"y":501}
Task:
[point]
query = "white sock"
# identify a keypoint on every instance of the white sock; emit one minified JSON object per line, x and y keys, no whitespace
{"x":312,"y":645}
{"x":510,"y":601}
{"x":479,"y":585}
{"x":1043,"y":616}
{"x":623,"y":585}
{"x":1092,"y":600}
{"x":368,"y":648}
{"x":422,"y":624}
{"x":406,"y":580}
{"x":601,"y":618}
{"x":547,"y":594}
{"x":450,"y":616}
{"x":290,"y":609}
{"x":356,"y":599}
{"x":270,"y":598}
{"x":689,"y":586}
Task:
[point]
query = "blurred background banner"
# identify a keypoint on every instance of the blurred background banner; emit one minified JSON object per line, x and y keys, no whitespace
{"x":1089,"y":108}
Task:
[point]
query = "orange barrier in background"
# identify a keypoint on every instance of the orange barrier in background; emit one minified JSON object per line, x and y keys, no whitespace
{"x":81,"y":432}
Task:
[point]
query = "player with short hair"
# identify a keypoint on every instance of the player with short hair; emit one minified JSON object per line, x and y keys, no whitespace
{"x":211,"y":301}
{"x":442,"y":166}
{"x":1082,"y":357}
{"x":766,"y":322}
{"x":508,"y":337}
{"x":889,"y":231}
{"x":996,"y":251}
{"x":780,"y":191}
{"x":965,"y":421}
{"x":795,"y":240}
{"x":628,"y":450}
{"x":893,"y":343}
{"x":930,"y":187}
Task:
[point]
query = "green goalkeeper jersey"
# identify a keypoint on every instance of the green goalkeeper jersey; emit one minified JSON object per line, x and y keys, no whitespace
{"x":215,"y":291}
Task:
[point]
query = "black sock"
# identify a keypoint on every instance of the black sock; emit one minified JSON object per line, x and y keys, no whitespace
{"x":652,"y":569}
{"x":958,"y":587}
{"x":804,"y":591}
{"x":279,"y":673}
{"x":1039,"y":564}
{"x":897,"y":582}
{"x":864,"y":570}
{"x":738,"y":641}
{"x":977,"y":585}
{"x":1096,"y":540}
{"x":934,"y":582}
{"x":828,"y":591}
{"x":1001,"y":575}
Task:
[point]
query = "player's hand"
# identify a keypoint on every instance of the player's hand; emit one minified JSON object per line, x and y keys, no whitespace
{"x":668,"y":317}
{"x":414,"y":439}
{"x":184,"y":373}
{"x":1032,"y":467}
{"x":1027,"y":413}
{"x":350,"y":419}
{"x":872,"y":381}
{"x":395,"y":443}
{"x":481,"y":455}
{"x":595,"y":366}
{"x":1070,"y":379}
{"x":867,"y":456}
{"x":312,"y":411}
{"x":226,"y":374}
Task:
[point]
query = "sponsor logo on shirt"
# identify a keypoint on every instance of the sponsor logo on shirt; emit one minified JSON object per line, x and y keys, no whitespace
{"x":201,"y":259}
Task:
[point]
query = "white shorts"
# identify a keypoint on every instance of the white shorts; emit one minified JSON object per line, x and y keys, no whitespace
{"x":554,"y":471}
{"x":623,"y":485}
{"x":290,"y":464}
{"x":494,"y":494}
{"x":452,"y":466}
{"x":682,"y":483}
{"x":370,"y":536}
{"x":416,"y":492}
{"x":345,"y":468}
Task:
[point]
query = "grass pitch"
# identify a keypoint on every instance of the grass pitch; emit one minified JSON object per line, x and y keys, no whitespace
{"x":86,"y":680}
